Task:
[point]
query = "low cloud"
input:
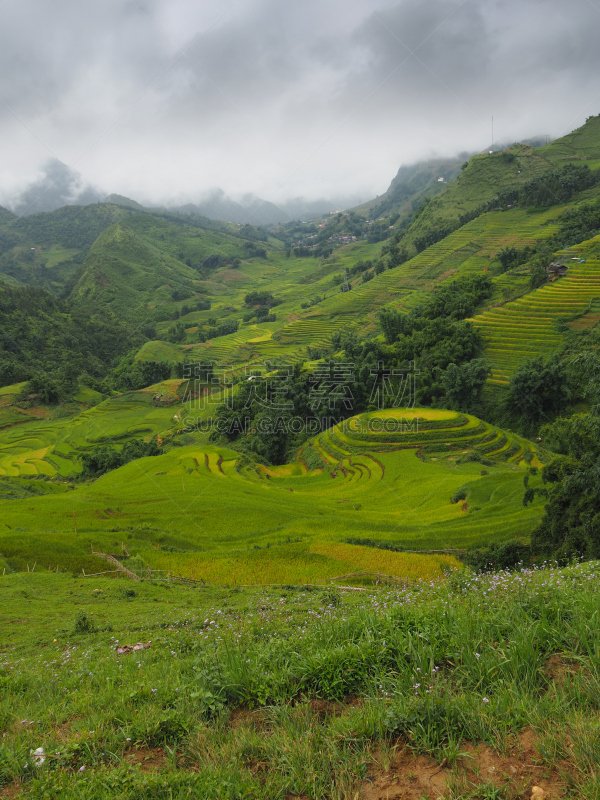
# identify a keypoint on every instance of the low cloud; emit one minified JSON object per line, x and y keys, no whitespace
{"x":164,"y":100}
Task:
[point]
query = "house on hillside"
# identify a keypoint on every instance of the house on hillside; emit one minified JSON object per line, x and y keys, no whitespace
{"x":556,"y":270}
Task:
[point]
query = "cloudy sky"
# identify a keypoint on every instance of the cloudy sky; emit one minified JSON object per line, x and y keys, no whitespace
{"x":164,"y":99}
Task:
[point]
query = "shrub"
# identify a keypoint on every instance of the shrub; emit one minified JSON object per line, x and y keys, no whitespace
{"x":83,"y":624}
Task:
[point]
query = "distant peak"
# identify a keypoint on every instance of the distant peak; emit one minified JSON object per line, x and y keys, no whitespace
{"x":120,"y":200}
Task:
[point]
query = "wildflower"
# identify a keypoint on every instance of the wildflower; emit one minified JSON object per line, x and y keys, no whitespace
{"x":485,"y":700}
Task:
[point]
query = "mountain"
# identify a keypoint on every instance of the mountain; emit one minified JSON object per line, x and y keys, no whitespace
{"x":250,"y":210}
{"x":126,"y":202}
{"x":47,"y":248}
{"x":411,"y":183}
{"x":130,"y":277}
{"x":6,"y":215}
{"x":42,"y":334}
{"x":489,"y":175}
{"x":143,"y":266}
{"x":58,"y":186}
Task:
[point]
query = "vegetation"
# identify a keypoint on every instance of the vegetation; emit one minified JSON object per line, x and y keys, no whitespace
{"x":51,"y":342}
{"x":321,"y":428}
{"x":103,"y":458}
{"x":258,"y":693}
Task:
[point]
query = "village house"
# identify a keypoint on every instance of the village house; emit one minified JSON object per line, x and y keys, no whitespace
{"x":556,"y":270}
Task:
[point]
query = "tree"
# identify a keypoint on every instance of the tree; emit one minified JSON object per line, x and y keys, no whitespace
{"x":176,"y":332}
{"x":538,"y":391}
{"x":45,"y":386}
{"x":571,"y":523}
{"x":259,"y":299}
{"x":463,"y":384}
{"x":392,"y":324}
{"x":537,"y":276}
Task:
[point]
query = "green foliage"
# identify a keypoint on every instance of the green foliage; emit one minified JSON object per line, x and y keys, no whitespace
{"x":433,"y":235}
{"x":460,"y":494}
{"x":459,"y":298}
{"x":538,"y":276}
{"x":576,"y":436}
{"x":464,"y":384}
{"x":259,"y":298}
{"x":103,"y":458}
{"x":538,"y":390}
{"x":176,"y":332}
{"x":52,"y":341}
{"x":557,"y":186}
{"x":224,"y":329}
{"x":571,"y":523}
{"x":381,"y":545}
{"x":131,"y":375}
{"x":511,"y":257}
{"x":498,"y":556}
{"x":83,"y":623}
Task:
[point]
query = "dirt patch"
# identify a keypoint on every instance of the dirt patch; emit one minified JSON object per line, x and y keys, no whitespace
{"x":558,"y":668}
{"x":586,"y":321}
{"x":11,"y":790}
{"x":148,"y":759}
{"x":417,"y":777}
{"x":257,"y":718}
{"x":328,"y":708}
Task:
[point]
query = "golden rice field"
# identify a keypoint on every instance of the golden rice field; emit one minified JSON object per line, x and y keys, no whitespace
{"x":299,"y":563}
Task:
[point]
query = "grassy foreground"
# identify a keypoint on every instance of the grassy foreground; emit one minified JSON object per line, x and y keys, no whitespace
{"x":477,"y":687}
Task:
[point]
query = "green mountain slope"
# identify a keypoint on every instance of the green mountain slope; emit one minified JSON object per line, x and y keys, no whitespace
{"x":399,"y":488}
{"x":40,"y":334}
{"x":410,"y":185}
{"x":128,"y":276}
{"x":47,"y":249}
{"x":6,"y":215}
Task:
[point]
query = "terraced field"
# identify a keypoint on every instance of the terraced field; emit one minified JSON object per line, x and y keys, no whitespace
{"x":49,"y":447}
{"x":429,"y":431}
{"x":525,"y":328}
{"x":293,"y":281}
{"x":414,"y":478}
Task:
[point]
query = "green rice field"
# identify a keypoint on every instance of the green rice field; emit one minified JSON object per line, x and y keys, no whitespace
{"x":525,"y":328}
{"x":210,"y":514}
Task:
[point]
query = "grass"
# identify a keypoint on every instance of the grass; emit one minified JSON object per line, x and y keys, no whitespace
{"x":290,"y":692}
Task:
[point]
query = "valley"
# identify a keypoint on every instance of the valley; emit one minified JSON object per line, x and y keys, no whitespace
{"x":336,"y":479}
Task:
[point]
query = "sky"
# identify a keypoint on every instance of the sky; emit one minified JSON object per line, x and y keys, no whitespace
{"x":164,"y":100}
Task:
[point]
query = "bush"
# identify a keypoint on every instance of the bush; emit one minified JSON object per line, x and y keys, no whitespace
{"x":83,"y":624}
{"x":459,"y":494}
{"x":507,"y":555}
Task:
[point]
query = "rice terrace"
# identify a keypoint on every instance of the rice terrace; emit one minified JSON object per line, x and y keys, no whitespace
{"x":306,"y":508}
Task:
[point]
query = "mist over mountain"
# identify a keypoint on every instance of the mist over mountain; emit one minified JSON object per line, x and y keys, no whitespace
{"x":250,"y":209}
{"x":57,"y":186}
